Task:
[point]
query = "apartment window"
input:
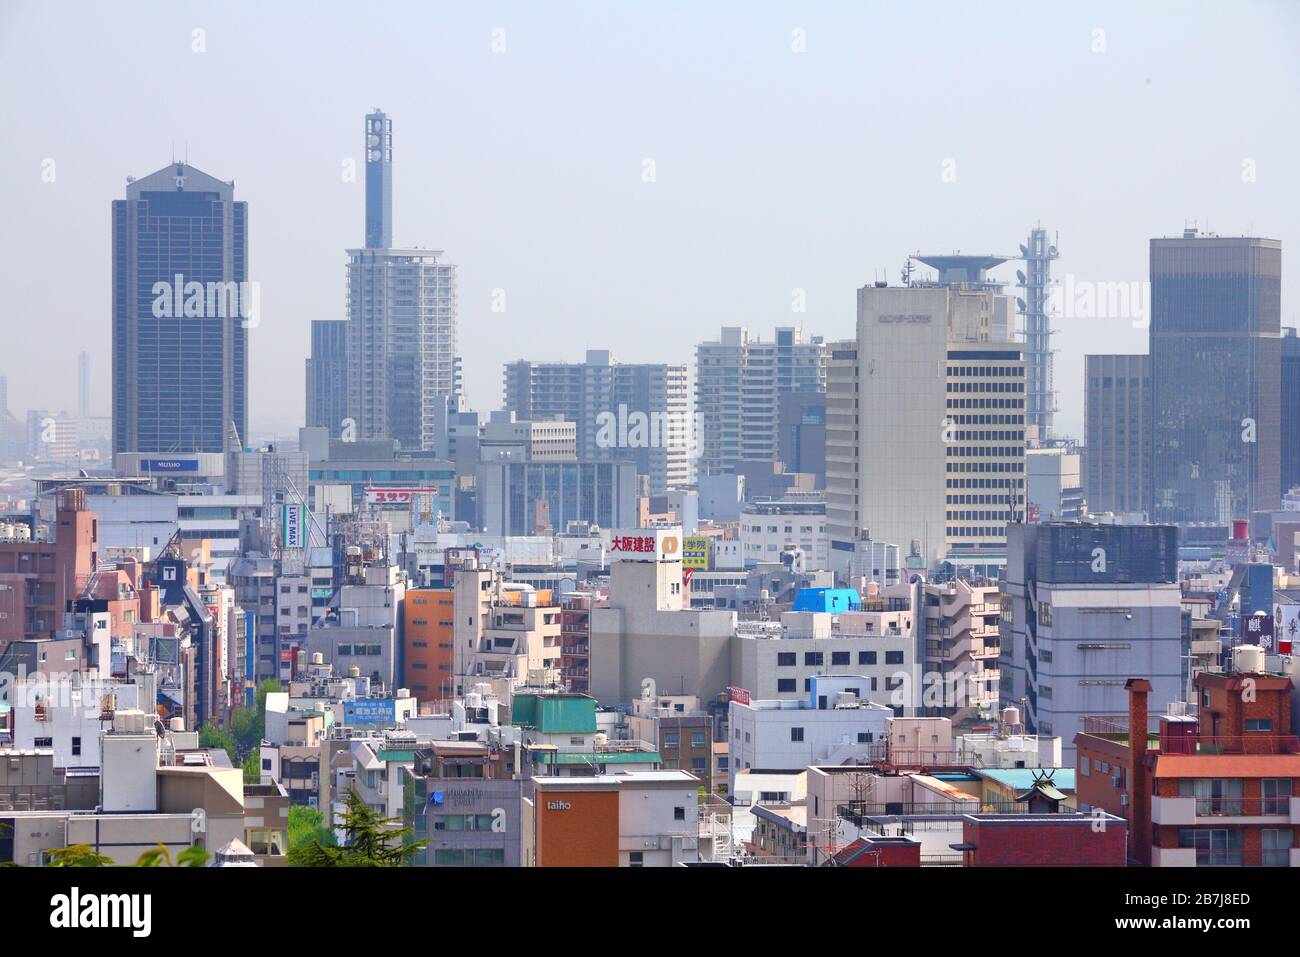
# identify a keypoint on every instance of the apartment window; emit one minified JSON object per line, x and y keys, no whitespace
{"x":813,"y":658}
{"x":785,"y":659}
{"x":1259,"y":724}
{"x":893,"y":657}
{"x":671,"y":741}
{"x":76,"y":749}
{"x":697,"y":739}
{"x":1275,"y":847}
{"x":785,"y":685}
{"x":699,"y":764}
{"x":1214,"y":796}
{"x":796,"y":734}
{"x":1215,"y":847}
{"x":636,"y":859}
{"x":865,"y":737}
{"x":839,"y":657}
{"x":1085,"y":765}
{"x":43,"y":743}
{"x":679,"y":814}
{"x":866,"y":657}
{"x":1276,"y":795}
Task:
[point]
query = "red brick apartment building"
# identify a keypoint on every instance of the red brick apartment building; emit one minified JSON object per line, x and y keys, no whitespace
{"x":39,"y":578}
{"x":1220,"y":787}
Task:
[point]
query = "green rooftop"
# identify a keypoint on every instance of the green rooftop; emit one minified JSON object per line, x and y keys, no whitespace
{"x":599,"y":757}
{"x":554,"y":713}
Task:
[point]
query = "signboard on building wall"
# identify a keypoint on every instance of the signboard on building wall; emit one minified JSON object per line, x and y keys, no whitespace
{"x":1286,"y":622}
{"x":293,"y":526}
{"x":646,"y":545}
{"x":397,"y":496}
{"x":1257,"y":629}
{"x":380,"y":712}
{"x":695,"y":552}
{"x":169,"y":465}
{"x":739,"y":695}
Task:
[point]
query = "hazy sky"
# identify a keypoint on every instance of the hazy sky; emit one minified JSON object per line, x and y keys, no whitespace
{"x":901,"y":127}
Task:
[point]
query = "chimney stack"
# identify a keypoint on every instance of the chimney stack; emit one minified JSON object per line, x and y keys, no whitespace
{"x":1139,"y":791}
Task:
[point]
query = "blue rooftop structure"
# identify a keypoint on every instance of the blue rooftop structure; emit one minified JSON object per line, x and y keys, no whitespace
{"x":833,"y":600}
{"x":1021,"y":779}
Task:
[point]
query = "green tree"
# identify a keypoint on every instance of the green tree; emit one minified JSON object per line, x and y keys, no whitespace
{"x":307,"y":824}
{"x":77,"y":855}
{"x":371,"y":841}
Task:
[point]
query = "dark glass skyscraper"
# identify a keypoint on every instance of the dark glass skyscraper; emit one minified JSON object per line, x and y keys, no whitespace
{"x":327,"y":375}
{"x":1215,"y":376}
{"x":182,"y":307}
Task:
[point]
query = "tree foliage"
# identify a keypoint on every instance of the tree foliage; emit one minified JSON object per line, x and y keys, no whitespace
{"x":371,"y":840}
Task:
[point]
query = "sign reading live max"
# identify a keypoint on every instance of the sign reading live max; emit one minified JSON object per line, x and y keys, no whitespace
{"x":646,"y":545}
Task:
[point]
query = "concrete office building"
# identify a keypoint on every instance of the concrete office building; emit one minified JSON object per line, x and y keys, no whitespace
{"x":637,"y":413}
{"x":768,"y":528}
{"x":1117,"y":420}
{"x":925,"y":427}
{"x":401,"y":319}
{"x":646,"y":632}
{"x":739,"y":385}
{"x":1085,"y":608}
{"x":778,"y":661}
{"x":633,"y":819}
{"x":513,"y":496}
{"x":1053,"y":485}
{"x":832,"y":724}
{"x":182,"y":308}
{"x":1215,"y":376}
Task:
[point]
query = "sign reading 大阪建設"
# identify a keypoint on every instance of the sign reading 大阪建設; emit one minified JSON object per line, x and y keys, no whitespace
{"x":646,"y":545}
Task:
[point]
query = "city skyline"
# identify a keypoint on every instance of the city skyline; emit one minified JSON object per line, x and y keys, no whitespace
{"x":707,"y":190}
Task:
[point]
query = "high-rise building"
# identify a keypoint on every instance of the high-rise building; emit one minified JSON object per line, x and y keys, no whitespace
{"x":327,"y":375}
{"x":379,"y":180}
{"x":625,"y":412}
{"x":739,"y":383}
{"x":1085,"y":608}
{"x":925,"y":427}
{"x":1290,"y":402}
{"x":1116,"y":416}
{"x":401,"y":320}
{"x":1215,"y":376}
{"x":182,"y":307}
{"x":83,"y":384}
{"x":801,"y":429}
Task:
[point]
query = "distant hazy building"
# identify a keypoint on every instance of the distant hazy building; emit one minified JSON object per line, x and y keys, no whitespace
{"x":801,"y":429}
{"x":402,"y":309}
{"x":1054,"y":490}
{"x":739,"y":382}
{"x":1291,"y":405}
{"x":1215,"y":376}
{"x":623,"y":411}
{"x":1117,"y":420}
{"x":925,"y":435}
{"x":327,"y":375}
{"x":516,"y":497}
{"x":182,"y":307}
